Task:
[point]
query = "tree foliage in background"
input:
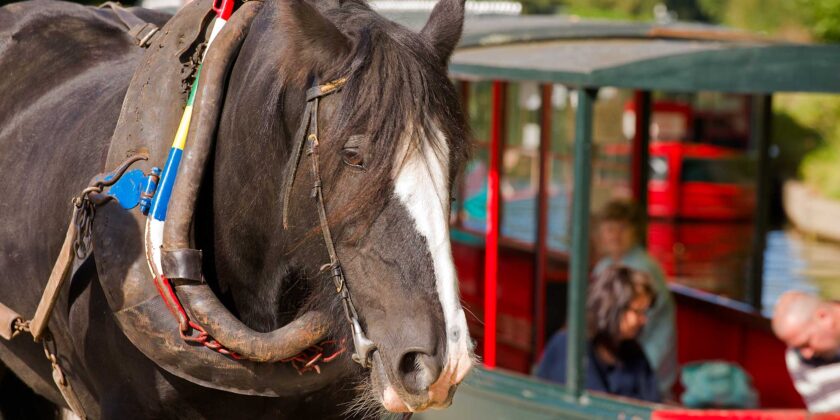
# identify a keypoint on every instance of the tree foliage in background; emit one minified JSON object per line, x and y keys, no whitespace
{"x":633,"y":8}
{"x":823,"y":17}
{"x":818,"y":113}
{"x":797,"y":19}
{"x":615,"y":9}
{"x":541,"y":7}
{"x":767,"y":16}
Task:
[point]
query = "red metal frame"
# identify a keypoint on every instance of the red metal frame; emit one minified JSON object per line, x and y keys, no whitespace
{"x":491,"y":261}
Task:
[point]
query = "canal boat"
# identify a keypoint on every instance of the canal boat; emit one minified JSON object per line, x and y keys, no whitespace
{"x":534,"y":88}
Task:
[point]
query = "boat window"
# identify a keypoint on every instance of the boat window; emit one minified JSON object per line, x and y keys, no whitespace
{"x":520,"y":159}
{"x":611,"y":168}
{"x":520,"y":162}
{"x":473,"y":192}
{"x":717,"y":170}
{"x":560,"y":168}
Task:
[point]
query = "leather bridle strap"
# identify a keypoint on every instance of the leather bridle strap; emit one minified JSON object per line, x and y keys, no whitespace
{"x":313,"y":94}
{"x":308,"y":133}
{"x":290,"y":176}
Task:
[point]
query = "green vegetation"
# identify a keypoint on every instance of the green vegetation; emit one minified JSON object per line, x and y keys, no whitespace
{"x":820,"y":145}
{"x":792,"y":19}
{"x":823,"y":17}
{"x":621,"y":9}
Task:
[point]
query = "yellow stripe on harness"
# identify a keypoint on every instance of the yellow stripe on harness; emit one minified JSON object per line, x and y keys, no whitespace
{"x":183,"y":129}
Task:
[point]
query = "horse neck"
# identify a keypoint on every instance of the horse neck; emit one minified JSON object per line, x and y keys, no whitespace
{"x":250,"y":248}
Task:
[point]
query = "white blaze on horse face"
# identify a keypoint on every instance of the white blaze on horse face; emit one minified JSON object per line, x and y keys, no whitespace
{"x":422,"y":186}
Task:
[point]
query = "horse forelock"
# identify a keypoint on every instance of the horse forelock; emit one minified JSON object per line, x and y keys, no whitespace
{"x":397,"y":91}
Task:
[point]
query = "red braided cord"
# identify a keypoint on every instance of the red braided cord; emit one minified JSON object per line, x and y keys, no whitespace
{"x":303,"y":362}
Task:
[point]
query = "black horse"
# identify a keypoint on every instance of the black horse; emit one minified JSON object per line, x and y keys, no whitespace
{"x":392,"y":140}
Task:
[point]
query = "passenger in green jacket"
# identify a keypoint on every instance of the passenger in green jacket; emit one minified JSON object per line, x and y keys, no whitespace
{"x":618,"y":233}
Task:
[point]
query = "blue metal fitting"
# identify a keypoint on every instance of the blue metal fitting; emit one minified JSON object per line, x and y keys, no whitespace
{"x":149,"y":190}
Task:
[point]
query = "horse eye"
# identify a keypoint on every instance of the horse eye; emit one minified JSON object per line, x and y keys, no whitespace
{"x":353,"y":157}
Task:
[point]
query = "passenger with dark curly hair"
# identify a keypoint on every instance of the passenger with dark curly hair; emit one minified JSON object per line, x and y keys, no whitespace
{"x":616,"y":307}
{"x":618,"y":235}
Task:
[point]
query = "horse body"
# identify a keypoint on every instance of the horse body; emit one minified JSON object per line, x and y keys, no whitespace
{"x":44,"y":136}
{"x":55,"y":133}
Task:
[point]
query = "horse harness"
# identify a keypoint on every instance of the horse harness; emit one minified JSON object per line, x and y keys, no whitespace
{"x":77,"y":240}
{"x":186,"y":263}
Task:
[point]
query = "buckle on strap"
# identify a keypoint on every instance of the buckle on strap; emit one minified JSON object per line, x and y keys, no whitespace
{"x":325,"y":89}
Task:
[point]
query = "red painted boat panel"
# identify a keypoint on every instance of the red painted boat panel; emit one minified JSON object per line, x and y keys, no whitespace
{"x":740,"y":415}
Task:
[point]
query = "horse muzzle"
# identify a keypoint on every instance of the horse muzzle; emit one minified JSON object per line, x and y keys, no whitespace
{"x":418,"y":384}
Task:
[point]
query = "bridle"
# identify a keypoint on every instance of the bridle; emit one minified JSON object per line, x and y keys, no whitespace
{"x":307,"y":134}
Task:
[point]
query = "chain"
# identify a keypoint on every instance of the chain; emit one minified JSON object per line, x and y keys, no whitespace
{"x":308,"y":359}
{"x":20,"y":326}
{"x":206,"y":340}
{"x":49,"y":352}
{"x":60,"y":379}
{"x":84,"y":204}
{"x":303,"y":362}
{"x":83,"y":214}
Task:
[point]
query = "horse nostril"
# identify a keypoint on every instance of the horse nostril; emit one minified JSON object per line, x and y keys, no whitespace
{"x":418,"y":371}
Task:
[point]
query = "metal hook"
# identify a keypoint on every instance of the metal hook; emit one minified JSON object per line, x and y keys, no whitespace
{"x":362,"y":345}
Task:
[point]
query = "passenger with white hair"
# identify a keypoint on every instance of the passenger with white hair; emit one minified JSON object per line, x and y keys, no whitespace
{"x":810,"y":327}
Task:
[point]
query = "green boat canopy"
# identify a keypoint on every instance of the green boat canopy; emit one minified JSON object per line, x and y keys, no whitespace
{"x":672,"y":57}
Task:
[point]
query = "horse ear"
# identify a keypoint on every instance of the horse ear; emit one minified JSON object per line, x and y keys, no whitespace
{"x":444,"y":27}
{"x":318,"y":41}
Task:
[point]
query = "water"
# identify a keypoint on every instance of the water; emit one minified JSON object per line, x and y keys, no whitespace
{"x":793,"y":261}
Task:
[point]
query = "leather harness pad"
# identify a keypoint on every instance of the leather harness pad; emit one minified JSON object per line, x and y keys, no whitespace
{"x":182,"y":264}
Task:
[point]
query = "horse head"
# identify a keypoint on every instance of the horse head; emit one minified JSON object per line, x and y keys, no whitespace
{"x":391,"y":138}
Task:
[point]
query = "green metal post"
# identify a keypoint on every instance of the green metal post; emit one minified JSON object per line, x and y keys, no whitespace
{"x":579,"y":258}
{"x":761,"y":115}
